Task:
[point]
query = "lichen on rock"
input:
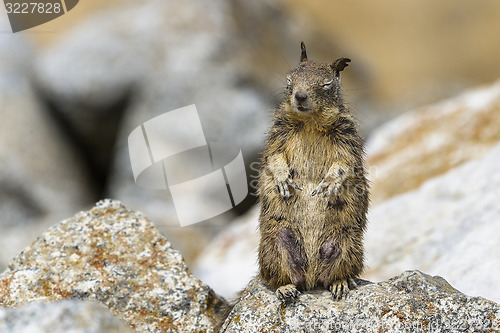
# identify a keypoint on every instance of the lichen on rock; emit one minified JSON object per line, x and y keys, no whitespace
{"x":410,"y":302}
{"x":117,"y":257}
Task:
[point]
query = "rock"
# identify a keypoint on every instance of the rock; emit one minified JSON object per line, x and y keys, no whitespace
{"x":230,"y":260}
{"x":410,"y":302}
{"x":41,"y":178}
{"x":116,"y":257}
{"x":450,"y":226}
{"x":61,"y":317}
{"x":444,"y":135}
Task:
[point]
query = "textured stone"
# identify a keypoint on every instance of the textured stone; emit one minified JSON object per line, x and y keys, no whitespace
{"x":117,"y":257}
{"x":61,"y":317}
{"x":410,"y":302}
{"x":428,"y":142}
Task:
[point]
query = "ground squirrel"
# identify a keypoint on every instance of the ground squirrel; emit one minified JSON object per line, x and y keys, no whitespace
{"x":312,"y":188}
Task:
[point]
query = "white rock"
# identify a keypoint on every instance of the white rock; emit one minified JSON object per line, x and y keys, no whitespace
{"x":410,"y":302}
{"x":450,"y":226}
{"x":156,"y":293}
{"x":432,"y":140}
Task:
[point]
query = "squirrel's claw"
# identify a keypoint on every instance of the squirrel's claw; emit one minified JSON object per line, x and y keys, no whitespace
{"x":339,"y":289}
{"x":327,"y":187}
{"x":287,"y":293}
{"x":292,"y":184}
{"x":283,"y":188}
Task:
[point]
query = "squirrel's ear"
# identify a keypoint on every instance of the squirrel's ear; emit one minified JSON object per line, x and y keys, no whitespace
{"x":303,"y":54}
{"x":339,"y":65}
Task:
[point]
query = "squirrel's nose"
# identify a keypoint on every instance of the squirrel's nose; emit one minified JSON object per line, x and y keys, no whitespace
{"x":300,"y":96}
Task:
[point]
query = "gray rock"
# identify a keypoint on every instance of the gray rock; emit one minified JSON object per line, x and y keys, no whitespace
{"x":116,"y":257}
{"x":410,"y":302}
{"x":230,"y":260}
{"x":41,"y":179}
{"x":61,"y":317}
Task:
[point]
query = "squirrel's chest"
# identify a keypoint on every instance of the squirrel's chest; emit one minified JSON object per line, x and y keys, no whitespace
{"x":310,"y":156}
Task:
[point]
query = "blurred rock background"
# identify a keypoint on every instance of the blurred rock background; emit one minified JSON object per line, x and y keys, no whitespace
{"x":72,"y":90}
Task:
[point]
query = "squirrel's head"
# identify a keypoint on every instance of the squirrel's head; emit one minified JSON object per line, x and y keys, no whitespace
{"x":315,"y":86}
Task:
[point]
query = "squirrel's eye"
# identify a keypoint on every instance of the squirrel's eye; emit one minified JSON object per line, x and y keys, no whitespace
{"x":288,"y":80}
{"x":327,"y":84}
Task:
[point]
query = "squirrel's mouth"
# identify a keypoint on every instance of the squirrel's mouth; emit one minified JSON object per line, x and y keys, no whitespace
{"x":301,"y":108}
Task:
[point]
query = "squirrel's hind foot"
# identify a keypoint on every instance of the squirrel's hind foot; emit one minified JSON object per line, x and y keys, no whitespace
{"x":287,"y":293}
{"x":341,"y":288}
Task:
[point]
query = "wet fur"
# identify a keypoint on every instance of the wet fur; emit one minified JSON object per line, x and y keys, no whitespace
{"x":310,"y":240}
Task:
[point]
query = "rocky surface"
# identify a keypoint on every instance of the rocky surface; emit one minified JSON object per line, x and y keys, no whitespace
{"x":427,"y":142}
{"x":410,"y":302}
{"x":41,"y":178}
{"x":61,"y":317}
{"x":116,"y":257}
{"x":109,"y":270}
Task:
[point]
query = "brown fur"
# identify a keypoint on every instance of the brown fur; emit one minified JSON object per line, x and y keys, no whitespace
{"x":313,"y":190}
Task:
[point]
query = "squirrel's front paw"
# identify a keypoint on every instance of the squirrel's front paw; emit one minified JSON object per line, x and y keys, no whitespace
{"x":332,"y":182}
{"x":283,"y":188}
{"x":328,"y":186}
